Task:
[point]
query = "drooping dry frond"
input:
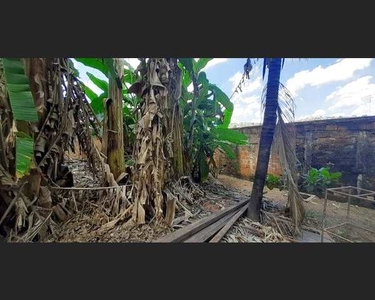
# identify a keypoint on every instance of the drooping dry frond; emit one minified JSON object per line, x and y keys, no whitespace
{"x":285,"y":145}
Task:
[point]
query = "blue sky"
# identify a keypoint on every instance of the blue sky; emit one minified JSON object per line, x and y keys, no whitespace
{"x":329,"y":87}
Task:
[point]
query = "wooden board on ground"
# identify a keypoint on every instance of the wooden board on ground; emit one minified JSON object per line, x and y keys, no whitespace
{"x":187,"y":231}
{"x":210,"y":230}
{"x":226,"y":228}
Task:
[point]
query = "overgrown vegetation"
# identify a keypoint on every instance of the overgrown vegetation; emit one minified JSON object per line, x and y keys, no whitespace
{"x":159,"y":124}
{"x":172,"y":121}
{"x":43,"y":111}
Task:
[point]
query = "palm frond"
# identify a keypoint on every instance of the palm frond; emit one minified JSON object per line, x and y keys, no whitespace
{"x":285,"y":145}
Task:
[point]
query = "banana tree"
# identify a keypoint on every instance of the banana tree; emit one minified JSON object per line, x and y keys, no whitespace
{"x":207,"y":115}
{"x":18,"y":108}
{"x":130,"y":102}
{"x":152,"y":148}
{"x":168,"y":122}
{"x":22,"y":104}
{"x":109,"y":103}
{"x":42,"y":110}
{"x":113,"y":136}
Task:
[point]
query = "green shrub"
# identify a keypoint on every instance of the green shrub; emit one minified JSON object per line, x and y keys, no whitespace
{"x":273,"y":181}
{"x":317,"y":181}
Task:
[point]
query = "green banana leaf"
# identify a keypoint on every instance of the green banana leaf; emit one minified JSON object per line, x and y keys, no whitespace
{"x":24,"y":154}
{"x":18,"y":86}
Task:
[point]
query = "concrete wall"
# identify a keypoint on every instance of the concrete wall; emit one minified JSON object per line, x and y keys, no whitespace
{"x":349,"y":144}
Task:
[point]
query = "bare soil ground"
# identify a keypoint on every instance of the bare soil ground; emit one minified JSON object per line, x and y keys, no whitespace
{"x":336,"y":212}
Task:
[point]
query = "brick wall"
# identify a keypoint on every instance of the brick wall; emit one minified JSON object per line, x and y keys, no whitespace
{"x":349,"y":144}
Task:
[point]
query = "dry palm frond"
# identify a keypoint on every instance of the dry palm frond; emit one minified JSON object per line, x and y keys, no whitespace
{"x":285,"y":145}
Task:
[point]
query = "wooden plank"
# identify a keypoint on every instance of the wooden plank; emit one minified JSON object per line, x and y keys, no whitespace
{"x":171,"y":207}
{"x":170,"y":212}
{"x":209,"y":231}
{"x":226,"y":228}
{"x":187,"y":231}
{"x":178,"y":220}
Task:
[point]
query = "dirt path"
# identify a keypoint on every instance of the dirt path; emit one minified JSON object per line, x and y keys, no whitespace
{"x":336,"y":212}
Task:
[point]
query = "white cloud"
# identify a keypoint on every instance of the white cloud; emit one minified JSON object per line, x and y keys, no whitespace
{"x":134,"y":62}
{"x":248,"y":97}
{"x":249,"y":111}
{"x":341,"y":70}
{"x":319,"y":113}
{"x":302,"y":118}
{"x":247,"y":106}
{"x":361,"y":110}
{"x":235,"y":79}
{"x":214,"y":62}
{"x":248,"y":86}
{"x":190,"y":88}
{"x":249,"y":100}
{"x":352,"y":95}
{"x":93,"y":87}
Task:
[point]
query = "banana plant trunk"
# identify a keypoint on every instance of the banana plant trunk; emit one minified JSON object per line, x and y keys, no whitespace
{"x":36,"y":70}
{"x":113,"y":128}
{"x":153,"y":148}
{"x":266,"y":138}
{"x":175,"y":120}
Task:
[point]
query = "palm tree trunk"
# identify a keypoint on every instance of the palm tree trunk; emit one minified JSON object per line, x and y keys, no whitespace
{"x":266,"y":138}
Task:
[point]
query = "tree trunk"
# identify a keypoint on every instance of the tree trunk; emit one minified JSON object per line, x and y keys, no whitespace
{"x":178,"y":158}
{"x":266,"y":138}
{"x":190,"y":142}
{"x":113,"y":136}
{"x":175,"y":119}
